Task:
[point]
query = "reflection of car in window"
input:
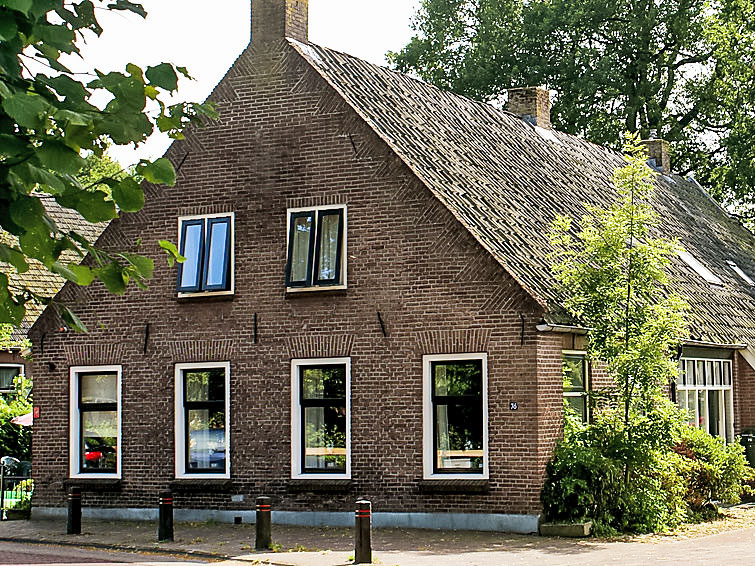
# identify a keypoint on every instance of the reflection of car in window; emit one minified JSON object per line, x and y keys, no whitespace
{"x":98,"y":453}
{"x":207,"y":449}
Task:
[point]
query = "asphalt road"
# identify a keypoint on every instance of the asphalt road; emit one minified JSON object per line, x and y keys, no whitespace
{"x":17,"y":554}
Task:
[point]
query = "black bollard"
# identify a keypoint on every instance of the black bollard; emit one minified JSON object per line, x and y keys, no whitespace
{"x":73,"y":525}
{"x":165,"y":524}
{"x":362,"y":533}
{"x":263,"y":524}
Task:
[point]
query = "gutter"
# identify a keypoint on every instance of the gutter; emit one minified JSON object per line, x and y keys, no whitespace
{"x":565,"y":328}
{"x":705,"y":344}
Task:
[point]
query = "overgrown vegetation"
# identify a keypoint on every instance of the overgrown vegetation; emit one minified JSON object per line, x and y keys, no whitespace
{"x":637,"y":466}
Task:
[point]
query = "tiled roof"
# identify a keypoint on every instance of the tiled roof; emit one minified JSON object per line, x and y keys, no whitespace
{"x":506,"y":180}
{"x":38,"y":278}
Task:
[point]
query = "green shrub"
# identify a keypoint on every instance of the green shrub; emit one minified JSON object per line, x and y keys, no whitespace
{"x":713,"y":471}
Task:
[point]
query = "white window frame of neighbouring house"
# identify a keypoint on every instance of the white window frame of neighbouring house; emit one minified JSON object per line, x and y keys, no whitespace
{"x":183,"y":405}
{"x":301,"y":401}
{"x":574,"y":393}
{"x":211,"y":259}
{"x":8,"y":387}
{"x":311,"y":256}
{"x":78,"y":409}
{"x":704,"y":388}
{"x":439,"y":463}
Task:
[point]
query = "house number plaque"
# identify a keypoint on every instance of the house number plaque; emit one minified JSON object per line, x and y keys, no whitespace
{"x":514,"y":406}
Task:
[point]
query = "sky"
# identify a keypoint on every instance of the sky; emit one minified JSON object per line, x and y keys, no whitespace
{"x":207,"y":41}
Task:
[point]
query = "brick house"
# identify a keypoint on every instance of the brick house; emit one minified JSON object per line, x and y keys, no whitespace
{"x":366,"y":309}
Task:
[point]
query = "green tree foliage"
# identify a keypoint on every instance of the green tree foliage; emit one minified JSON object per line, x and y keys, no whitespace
{"x":681,"y":68}
{"x":637,"y":467}
{"x":49,"y":122}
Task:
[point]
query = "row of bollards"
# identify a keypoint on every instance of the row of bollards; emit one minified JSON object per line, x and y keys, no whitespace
{"x":263,"y":526}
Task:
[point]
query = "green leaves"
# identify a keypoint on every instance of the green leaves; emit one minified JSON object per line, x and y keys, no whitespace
{"x":59,"y":158}
{"x":172,"y":251}
{"x":27,"y":110}
{"x":163,"y":76}
{"x":128,"y":195}
{"x":19,"y":5}
{"x":160,"y":171}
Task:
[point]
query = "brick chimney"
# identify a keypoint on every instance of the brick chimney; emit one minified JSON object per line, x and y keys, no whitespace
{"x":531,"y":103}
{"x":658,"y":154}
{"x":272,"y":20}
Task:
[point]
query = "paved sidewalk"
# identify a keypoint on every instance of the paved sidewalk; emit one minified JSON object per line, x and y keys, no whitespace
{"x":393,"y":547}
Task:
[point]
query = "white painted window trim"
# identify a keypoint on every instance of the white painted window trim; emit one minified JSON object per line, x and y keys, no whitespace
{"x":427,"y":426}
{"x":344,"y":247}
{"x":180,"y":445}
{"x":232,"y":289}
{"x":296,"y":463}
{"x":21,"y":372}
{"x":74,"y":423}
{"x":726,"y":399}
{"x":738,"y":270}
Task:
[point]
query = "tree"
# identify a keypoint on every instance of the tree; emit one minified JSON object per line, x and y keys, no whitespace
{"x":49,"y":124}
{"x":681,"y":69}
{"x":14,"y":440}
{"x":612,"y":276}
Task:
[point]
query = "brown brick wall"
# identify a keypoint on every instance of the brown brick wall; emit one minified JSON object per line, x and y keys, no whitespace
{"x":744,"y":393}
{"x":285,"y":139}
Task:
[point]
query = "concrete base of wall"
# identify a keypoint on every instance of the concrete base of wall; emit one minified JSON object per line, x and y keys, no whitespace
{"x":524,"y":524}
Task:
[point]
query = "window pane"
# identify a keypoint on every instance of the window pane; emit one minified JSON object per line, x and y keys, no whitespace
{"x":574,"y":373}
{"x":300,"y":261}
{"x":191,"y":246}
{"x":328,"y":258}
{"x":579,"y":405}
{"x":7,"y":375}
{"x":459,"y":437}
{"x":100,"y":439}
{"x":727,"y":373}
{"x":458,"y":378}
{"x":216,"y":261}
{"x":206,"y":449}
{"x":700,"y":378}
{"x":701,"y":422}
{"x":327,"y":382}
{"x":99,"y":388}
{"x":205,"y":385}
{"x":714,"y":413}
{"x":325,"y":438}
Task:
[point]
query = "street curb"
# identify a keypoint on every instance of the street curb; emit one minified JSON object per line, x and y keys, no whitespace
{"x":122,"y":547}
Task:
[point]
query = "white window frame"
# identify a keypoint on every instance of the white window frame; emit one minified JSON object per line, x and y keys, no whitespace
{"x":738,"y":270}
{"x":726,"y":399}
{"x":427,"y":427}
{"x":699,"y":268}
{"x":584,"y":393}
{"x":180,"y":445}
{"x":344,"y":247}
{"x":74,"y":423}
{"x":20,"y":372}
{"x":232,"y":266}
{"x":296,"y":440}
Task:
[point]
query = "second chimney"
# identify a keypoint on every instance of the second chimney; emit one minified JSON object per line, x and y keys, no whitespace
{"x":531,"y":103}
{"x":273,"y":20}
{"x":658,"y":154}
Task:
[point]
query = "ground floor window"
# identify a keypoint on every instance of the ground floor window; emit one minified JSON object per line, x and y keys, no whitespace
{"x":575,"y":376}
{"x":8,"y":373}
{"x":95,"y":421}
{"x":320,"y":417}
{"x":704,"y":390}
{"x":202,"y":419}
{"x":455,"y":415}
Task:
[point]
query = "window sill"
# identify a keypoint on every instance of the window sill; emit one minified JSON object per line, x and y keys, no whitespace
{"x":320,"y":485}
{"x":190,"y":485}
{"x":332,"y":289}
{"x":440,"y":485}
{"x":208,"y":296}
{"x":93,"y":484}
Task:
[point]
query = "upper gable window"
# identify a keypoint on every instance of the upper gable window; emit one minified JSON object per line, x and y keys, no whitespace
{"x":207,"y":244}
{"x":316,"y":247}
{"x":738,"y":270}
{"x":699,"y":268}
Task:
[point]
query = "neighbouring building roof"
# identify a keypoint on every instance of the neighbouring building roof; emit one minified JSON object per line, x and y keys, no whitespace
{"x":38,"y":278}
{"x":506,"y":180}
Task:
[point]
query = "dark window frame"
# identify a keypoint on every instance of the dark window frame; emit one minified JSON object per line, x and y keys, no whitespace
{"x":448,"y":400}
{"x":324,"y":403}
{"x":203,"y":261}
{"x":21,"y":370}
{"x":95,"y":407}
{"x":315,"y":243}
{"x":199,"y":405}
